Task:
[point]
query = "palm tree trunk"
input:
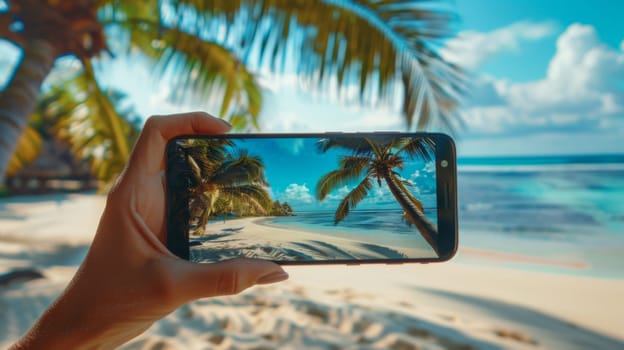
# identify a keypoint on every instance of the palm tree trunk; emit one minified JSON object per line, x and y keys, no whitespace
{"x":19,"y":99}
{"x":426,"y":228}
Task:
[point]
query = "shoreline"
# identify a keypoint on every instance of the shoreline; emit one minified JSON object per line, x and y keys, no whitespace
{"x":472,"y":255}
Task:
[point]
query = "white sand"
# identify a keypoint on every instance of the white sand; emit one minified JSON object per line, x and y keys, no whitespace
{"x":464,"y":304}
{"x":253,"y":238}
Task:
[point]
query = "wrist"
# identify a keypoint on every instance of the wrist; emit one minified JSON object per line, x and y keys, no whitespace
{"x":59,"y":328}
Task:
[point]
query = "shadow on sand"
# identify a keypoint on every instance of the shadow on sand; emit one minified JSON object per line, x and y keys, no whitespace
{"x":536,"y":323}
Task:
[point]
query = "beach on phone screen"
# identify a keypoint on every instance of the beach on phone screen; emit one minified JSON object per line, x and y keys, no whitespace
{"x":299,"y":199}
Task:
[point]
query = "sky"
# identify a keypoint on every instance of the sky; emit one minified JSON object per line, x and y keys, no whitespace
{"x":546,"y":78}
{"x":293,"y":167}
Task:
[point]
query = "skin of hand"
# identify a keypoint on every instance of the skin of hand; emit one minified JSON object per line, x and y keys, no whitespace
{"x":129,"y":279}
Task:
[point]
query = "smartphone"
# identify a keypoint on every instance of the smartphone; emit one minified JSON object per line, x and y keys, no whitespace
{"x":332,"y":198}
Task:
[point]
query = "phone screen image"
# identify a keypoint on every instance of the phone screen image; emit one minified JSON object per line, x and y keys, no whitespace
{"x":306,"y":199}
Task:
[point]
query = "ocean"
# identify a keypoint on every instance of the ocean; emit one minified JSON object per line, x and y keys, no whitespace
{"x":557,"y":213}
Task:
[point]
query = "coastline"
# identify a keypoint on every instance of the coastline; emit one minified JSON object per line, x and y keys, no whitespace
{"x":479,"y":303}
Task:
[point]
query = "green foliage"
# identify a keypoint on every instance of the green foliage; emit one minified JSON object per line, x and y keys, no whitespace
{"x":224,"y":181}
{"x":370,"y":159}
{"x":375,"y":45}
{"x":384,"y":48}
{"x":281,"y":209}
{"x":84,"y":116}
{"x":28,"y":148}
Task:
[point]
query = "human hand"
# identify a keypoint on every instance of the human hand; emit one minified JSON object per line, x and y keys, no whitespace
{"x":129,"y":279}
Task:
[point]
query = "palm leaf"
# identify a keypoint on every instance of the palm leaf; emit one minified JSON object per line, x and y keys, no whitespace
{"x":208,"y":154}
{"x":351,"y":169}
{"x":352,"y":199}
{"x":85,"y":117}
{"x":375,"y":45}
{"x":251,"y":194}
{"x":239,"y":170}
{"x":200,"y":70}
{"x":28,"y":148}
{"x":423,"y":148}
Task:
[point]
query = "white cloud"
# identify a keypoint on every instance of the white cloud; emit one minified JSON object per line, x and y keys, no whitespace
{"x":582,"y":87}
{"x":380,"y":194}
{"x":429,"y":167}
{"x":471,"y":48}
{"x":339,"y":194}
{"x":297,"y":193}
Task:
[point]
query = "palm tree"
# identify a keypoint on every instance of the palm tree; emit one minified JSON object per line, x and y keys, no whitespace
{"x":385,"y":48}
{"x":222,"y":180}
{"x":60,"y":116}
{"x":375,"y":160}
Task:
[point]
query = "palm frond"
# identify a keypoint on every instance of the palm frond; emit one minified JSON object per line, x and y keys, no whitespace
{"x":253,"y":194}
{"x":208,"y":154}
{"x":375,"y":45}
{"x":239,"y":169}
{"x":351,"y":169}
{"x":86,"y":119}
{"x":200,"y":70}
{"x":423,"y":148}
{"x":28,"y":148}
{"x":356,"y":145}
{"x":352,"y":199}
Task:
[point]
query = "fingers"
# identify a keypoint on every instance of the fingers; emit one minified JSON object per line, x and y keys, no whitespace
{"x":149,"y":152}
{"x":227,"y":277}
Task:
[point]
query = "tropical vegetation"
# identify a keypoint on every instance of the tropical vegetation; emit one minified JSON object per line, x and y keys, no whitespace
{"x":281,"y":209}
{"x":369,"y":161}
{"x":216,"y":48}
{"x":223,"y":181}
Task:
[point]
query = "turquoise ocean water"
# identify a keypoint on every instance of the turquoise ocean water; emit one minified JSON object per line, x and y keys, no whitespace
{"x":564,"y":214}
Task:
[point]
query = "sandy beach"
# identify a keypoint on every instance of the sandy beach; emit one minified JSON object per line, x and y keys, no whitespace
{"x":476,"y":301}
{"x":256,"y":238}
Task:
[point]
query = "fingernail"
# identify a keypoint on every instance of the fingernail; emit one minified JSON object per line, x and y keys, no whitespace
{"x":273,"y":277}
{"x":226,"y":123}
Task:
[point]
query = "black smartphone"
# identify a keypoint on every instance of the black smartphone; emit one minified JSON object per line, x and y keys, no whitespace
{"x":333,"y":198}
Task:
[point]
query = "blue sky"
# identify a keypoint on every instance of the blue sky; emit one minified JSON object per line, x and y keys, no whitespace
{"x":293,"y":166}
{"x":547,"y":77}
{"x":534,"y":55}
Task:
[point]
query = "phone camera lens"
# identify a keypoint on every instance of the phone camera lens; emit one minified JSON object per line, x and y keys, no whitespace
{"x":444,"y":163}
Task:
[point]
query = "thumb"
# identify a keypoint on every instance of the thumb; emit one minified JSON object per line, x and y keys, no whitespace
{"x":227,"y":277}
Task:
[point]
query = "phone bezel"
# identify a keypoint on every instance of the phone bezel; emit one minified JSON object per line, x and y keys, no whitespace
{"x":446,"y":186}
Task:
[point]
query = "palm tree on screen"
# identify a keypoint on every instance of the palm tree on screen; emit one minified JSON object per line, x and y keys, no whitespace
{"x":223,"y":179}
{"x":371,"y":161}
{"x":208,"y":48}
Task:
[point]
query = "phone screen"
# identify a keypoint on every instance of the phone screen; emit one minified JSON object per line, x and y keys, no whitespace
{"x":324,"y":198}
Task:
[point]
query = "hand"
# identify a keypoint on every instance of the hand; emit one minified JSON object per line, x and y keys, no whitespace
{"x":129,"y":279}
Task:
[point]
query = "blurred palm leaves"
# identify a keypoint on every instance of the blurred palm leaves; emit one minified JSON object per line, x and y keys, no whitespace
{"x":381,"y":47}
{"x":370,"y":50}
{"x":28,"y":149}
{"x":90,"y":121}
